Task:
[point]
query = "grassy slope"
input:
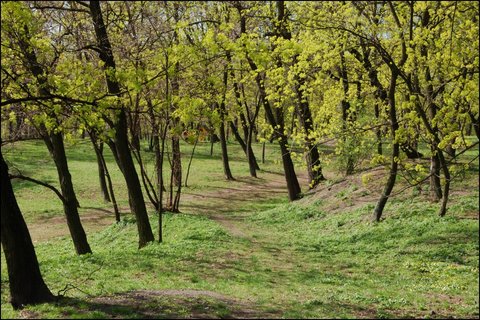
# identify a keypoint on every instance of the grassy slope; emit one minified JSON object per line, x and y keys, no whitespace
{"x":292,"y":260}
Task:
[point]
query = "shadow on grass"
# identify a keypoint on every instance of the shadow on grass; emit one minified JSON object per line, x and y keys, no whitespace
{"x":165,"y":304}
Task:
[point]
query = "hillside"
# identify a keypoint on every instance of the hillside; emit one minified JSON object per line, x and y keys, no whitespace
{"x":245,"y":252}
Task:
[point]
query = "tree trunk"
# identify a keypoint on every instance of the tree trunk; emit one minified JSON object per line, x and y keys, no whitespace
{"x":263,"y":151}
{"x":147,"y":184}
{"x":25,"y":280}
{"x":137,"y":203}
{"x":134,"y":124}
{"x":101,"y":170}
{"x":378,"y":131}
{"x":100,"y":157}
{"x":159,"y":156}
{"x":54,"y":142}
{"x":237,"y":136}
{"x":247,"y":147}
{"x":250,"y":155}
{"x":252,"y":160}
{"x":103,"y":165}
{"x":57,"y":150}
{"x":446,"y":190}
{"x":410,"y":149}
{"x":379,"y":93}
{"x":190,"y":161}
{"x":346,"y":116}
{"x":211,"y":145}
{"x":475,"y":124}
{"x":294,"y":191}
{"x":223,"y":144}
{"x":304,"y":114}
{"x":176,"y":161}
{"x":395,"y":150}
{"x":312,"y":155}
{"x":223,"y":138}
{"x":159,"y":167}
{"x":435,"y":186}
{"x":176,"y":173}
{"x":112,"y":194}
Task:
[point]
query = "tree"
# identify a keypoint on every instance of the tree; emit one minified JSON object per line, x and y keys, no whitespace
{"x":275,"y":116}
{"x":283,"y":35}
{"x":120,"y":145}
{"x":25,"y":280}
{"x":45,"y":117}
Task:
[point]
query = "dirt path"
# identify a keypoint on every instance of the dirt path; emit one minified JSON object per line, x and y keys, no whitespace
{"x":93,"y":219}
{"x":223,"y":205}
{"x":217,"y":204}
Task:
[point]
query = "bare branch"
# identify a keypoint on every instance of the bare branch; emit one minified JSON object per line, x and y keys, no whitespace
{"x":59,"y":8}
{"x":49,"y":186}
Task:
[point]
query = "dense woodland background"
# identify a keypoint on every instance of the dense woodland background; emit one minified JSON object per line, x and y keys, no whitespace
{"x":182,"y":118}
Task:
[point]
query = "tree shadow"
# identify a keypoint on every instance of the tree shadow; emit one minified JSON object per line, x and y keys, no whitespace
{"x":165,"y":304}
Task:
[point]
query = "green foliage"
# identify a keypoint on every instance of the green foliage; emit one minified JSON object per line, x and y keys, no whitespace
{"x":176,"y":63}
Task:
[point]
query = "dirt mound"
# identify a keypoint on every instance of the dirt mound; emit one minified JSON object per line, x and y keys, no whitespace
{"x":350,"y":192}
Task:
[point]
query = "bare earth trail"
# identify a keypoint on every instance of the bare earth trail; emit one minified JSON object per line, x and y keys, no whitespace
{"x":223,"y":205}
{"x":217,"y":205}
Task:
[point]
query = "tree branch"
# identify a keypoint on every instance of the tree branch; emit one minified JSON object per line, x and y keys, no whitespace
{"x":49,"y":186}
{"x":35,"y":6}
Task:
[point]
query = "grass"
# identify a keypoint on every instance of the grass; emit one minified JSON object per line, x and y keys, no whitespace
{"x":293,"y":260}
{"x":31,"y":158}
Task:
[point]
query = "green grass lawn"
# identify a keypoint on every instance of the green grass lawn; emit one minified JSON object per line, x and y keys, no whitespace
{"x":270,"y":258}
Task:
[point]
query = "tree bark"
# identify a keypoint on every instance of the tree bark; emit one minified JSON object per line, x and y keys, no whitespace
{"x":247,"y":131}
{"x":378,"y":131}
{"x":25,"y":280}
{"x":252,"y":160}
{"x":190,"y":161}
{"x":112,"y":194}
{"x":303,"y":109}
{"x":312,"y":155}
{"x":223,"y":138}
{"x":159,"y":156}
{"x":176,"y":172}
{"x":395,"y":150}
{"x":147,"y":184}
{"x":54,"y":142}
{"x":435,"y":185}
{"x":346,"y":116}
{"x":101,"y":170}
{"x":107,"y":176}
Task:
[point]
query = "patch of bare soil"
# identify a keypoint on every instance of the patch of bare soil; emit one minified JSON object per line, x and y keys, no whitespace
{"x":93,"y":219}
{"x":230,"y":224}
{"x":27,"y":314}
{"x":218,"y":205}
{"x":177,"y":304}
{"x":348,"y":193}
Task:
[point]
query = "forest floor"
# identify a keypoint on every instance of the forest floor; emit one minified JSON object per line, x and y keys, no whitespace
{"x":217,"y":205}
{"x":240,"y":250}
